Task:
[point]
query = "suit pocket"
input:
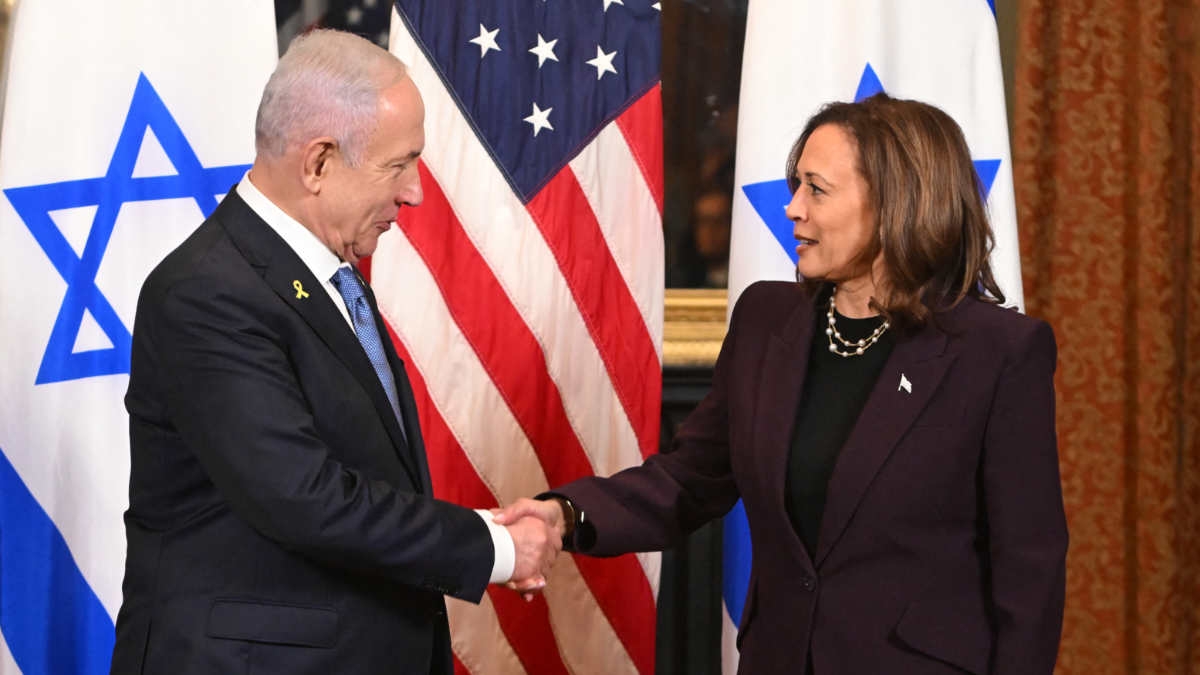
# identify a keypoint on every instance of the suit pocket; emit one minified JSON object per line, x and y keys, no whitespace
{"x":959,"y":635}
{"x":273,"y":623}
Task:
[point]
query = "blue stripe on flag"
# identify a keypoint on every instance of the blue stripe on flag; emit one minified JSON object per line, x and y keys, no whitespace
{"x":51,"y":619}
{"x":735,"y":576}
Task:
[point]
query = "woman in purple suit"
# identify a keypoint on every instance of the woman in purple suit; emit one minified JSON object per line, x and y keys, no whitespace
{"x":888,"y":424}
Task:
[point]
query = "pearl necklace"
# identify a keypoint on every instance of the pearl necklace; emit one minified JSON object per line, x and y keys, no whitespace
{"x":852,"y":348}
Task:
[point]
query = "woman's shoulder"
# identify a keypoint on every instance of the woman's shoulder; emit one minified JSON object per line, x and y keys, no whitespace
{"x":996,"y":326}
{"x":771,"y":307}
{"x":772,"y":293}
{"x":770,"y":301}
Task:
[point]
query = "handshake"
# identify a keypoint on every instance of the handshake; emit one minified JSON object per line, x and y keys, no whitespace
{"x":537,"y":528}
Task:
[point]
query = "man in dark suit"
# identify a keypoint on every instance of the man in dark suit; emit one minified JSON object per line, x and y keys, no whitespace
{"x":281,"y":518}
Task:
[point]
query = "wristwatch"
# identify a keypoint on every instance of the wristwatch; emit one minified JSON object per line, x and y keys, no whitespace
{"x":573,"y":516}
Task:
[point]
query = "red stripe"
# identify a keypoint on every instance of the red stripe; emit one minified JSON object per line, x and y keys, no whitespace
{"x":641,"y":124}
{"x":459,"y":668}
{"x":609,"y":310}
{"x":526,"y":625}
{"x":364,"y":268}
{"x":514,"y":360}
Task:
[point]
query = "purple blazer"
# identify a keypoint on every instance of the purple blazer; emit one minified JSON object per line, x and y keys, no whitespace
{"x":943,"y":542}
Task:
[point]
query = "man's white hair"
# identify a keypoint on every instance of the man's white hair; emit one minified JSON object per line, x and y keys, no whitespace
{"x":327,"y":83}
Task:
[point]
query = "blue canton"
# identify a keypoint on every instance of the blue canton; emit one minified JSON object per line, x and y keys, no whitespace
{"x":538,"y":79}
{"x":118,"y":186}
{"x":770,"y":198}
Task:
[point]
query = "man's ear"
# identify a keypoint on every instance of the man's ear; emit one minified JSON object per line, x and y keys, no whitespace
{"x":317,"y":158}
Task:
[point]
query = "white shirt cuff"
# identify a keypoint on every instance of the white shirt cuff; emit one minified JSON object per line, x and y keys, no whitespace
{"x":502,"y":543}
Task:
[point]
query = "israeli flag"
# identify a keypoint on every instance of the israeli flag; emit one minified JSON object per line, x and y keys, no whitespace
{"x":121,"y":126}
{"x":801,"y":54}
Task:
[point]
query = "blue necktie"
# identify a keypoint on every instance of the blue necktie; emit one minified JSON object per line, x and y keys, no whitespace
{"x":346,"y":281}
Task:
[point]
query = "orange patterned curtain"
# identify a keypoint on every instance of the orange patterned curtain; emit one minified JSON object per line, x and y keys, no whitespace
{"x":1106,"y":155}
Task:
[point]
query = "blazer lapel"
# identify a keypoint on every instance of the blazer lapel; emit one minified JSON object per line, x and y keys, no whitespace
{"x":781,"y":382}
{"x":905,"y":385}
{"x":291,"y":279}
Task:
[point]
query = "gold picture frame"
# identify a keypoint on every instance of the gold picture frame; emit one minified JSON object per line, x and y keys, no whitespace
{"x":693,"y":326}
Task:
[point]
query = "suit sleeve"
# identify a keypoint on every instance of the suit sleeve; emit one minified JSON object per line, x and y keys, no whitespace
{"x":1027,"y":527}
{"x":657,"y":504}
{"x":232,"y":391}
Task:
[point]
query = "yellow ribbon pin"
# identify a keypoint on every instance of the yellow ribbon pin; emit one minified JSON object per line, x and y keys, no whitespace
{"x":300,"y":292}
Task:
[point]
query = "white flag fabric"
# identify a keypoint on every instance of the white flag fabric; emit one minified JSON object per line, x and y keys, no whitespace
{"x":801,"y":54}
{"x":122,"y":126}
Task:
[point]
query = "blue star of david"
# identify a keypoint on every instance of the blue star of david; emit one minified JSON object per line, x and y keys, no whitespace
{"x":118,"y":186}
{"x":770,"y":198}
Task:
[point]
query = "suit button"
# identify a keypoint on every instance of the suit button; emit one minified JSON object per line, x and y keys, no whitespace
{"x":808,"y":583}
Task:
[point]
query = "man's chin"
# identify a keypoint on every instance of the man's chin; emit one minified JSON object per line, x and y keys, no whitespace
{"x":359,"y":251}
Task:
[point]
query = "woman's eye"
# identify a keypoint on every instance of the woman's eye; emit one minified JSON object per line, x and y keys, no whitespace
{"x":814,"y":189}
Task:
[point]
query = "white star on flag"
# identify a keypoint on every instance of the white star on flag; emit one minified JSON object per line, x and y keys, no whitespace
{"x":486,"y":40}
{"x":603,"y":62}
{"x":540,"y":119}
{"x":612,"y":2}
{"x":544,"y":50}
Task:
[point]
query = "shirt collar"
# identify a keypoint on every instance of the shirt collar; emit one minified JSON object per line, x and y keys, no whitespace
{"x":312,"y":251}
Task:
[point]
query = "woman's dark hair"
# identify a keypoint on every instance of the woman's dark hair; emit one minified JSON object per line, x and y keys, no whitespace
{"x":931,"y":225}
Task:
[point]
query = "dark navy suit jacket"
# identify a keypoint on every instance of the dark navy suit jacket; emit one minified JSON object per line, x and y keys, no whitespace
{"x":943,"y":542}
{"x":278,"y":521}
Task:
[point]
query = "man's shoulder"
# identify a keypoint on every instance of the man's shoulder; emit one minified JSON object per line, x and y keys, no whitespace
{"x":201,"y":254}
{"x":209,"y":252}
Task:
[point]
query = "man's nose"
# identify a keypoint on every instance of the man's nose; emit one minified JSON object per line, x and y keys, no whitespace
{"x":410,"y":191}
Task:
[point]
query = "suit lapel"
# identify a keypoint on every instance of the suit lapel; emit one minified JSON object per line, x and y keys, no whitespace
{"x":291,"y":279}
{"x":781,"y":382}
{"x":907,"y":382}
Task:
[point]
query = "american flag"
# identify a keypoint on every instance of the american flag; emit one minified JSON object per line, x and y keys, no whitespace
{"x":526,"y":294}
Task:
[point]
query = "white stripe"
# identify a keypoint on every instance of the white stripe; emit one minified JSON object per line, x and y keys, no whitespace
{"x":478,"y":640}
{"x":8,"y":666}
{"x":629,"y":219}
{"x":509,"y":240}
{"x":729,"y":651}
{"x":592,"y":645}
{"x":651,"y":563}
{"x":478,"y":418}
{"x":464,"y":394}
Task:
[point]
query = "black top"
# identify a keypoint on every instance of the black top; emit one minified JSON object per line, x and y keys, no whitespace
{"x":835,"y":391}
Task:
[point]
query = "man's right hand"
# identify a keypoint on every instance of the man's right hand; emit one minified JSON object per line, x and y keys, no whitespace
{"x":536,"y":545}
